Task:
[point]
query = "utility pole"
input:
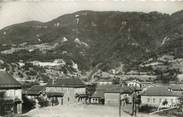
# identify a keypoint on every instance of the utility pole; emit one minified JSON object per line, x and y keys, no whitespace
{"x":134,"y":106}
{"x":119,"y":105}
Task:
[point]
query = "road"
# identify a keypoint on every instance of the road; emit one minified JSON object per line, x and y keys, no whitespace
{"x":80,"y":111}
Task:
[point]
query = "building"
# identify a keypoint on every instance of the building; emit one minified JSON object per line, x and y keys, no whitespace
{"x":110,"y":94}
{"x":116,"y":93}
{"x":98,"y":95}
{"x":10,"y":95}
{"x":160,"y":96}
{"x":134,"y":83}
{"x":139,"y":84}
{"x":35,"y":91}
{"x":66,"y":90}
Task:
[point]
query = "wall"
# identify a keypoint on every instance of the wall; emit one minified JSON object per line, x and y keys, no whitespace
{"x":112,"y":98}
{"x":69,"y":93}
{"x":13,"y":93}
{"x":156,"y":100}
{"x":65,"y":90}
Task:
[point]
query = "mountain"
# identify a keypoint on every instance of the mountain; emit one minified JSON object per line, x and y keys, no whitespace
{"x":89,"y":38}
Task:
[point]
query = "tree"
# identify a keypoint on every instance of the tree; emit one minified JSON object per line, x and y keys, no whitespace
{"x":166,"y":72}
{"x":167,"y":75}
{"x":116,"y":81}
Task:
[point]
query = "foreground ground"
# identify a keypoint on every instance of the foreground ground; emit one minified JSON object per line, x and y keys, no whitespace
{"x":80,"y":111}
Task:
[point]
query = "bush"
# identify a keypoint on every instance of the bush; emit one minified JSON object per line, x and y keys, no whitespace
{"x":147,"y":109}
{"x":43,"y":102}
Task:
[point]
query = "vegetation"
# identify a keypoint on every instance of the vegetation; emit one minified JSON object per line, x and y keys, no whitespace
{"x":106,"y":38}
{"x":147,"y":109}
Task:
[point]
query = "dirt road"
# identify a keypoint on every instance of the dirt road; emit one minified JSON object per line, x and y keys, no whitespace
{"x":80,"y":111}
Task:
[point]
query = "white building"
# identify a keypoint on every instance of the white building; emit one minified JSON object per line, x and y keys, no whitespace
{"x":139,"y":84}
{"x":160,"y":96}
{"x":134,"y":83}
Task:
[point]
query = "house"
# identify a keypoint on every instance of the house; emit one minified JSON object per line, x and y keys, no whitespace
{"x":109,"y":94}
{"x":139,"y":84}
{"x":98,"y":96}
{"x":10,"y":94}
{"x":35,"y":91}
{"x":159,"y":96}
{"x":134,"y":83}
{"x":117,"y":93}
{"x":66,"y":90}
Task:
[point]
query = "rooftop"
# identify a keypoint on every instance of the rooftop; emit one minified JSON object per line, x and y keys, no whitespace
{"x":7,"y":81}
{"x":160,"y":91}
{"x":35,"y":90}
{"x":100,"y":90}
{"x":176,"y":87}
{"x":55,"y":94}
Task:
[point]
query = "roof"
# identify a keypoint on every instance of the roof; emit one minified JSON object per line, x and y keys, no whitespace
{"x":176,"y":87}
{"x":160,"y":91}
{"x":100,"y":90}
{"x":7,"y":81}
{"x":55,"y":94}
{"x":67,"y":82}
{"x":35,"y":90}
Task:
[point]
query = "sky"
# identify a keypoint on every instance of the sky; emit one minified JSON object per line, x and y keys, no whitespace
{"x":18,"y":11}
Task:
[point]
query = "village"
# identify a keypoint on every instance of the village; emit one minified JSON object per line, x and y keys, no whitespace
{"x":130,"y":96}
{"x":99,"y":63}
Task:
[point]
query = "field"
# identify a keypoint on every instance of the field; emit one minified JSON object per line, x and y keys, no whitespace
{"x":81,"y":111}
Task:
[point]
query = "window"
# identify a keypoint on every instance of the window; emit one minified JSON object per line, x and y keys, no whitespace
{"x":148,"y":99}
{"x":154,"y":100}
